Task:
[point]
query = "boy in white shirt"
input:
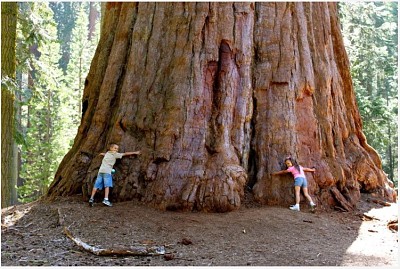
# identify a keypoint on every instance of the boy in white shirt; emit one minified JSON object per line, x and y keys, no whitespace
{"x":104,"y":177}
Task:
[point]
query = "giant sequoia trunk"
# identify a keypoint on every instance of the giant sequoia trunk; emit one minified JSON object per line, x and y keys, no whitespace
{"x":215,"y":95}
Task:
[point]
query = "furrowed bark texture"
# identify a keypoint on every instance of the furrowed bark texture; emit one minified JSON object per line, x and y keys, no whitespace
{"x":9,"y":149}
{"x":215,"y":95}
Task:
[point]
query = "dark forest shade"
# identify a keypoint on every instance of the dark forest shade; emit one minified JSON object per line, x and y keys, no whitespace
{"x":215,"y":95}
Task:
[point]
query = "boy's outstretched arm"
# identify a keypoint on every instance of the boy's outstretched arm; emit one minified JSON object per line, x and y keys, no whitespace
{"x":131,"y":153}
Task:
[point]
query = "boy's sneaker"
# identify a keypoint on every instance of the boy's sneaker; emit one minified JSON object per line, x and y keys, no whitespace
{"x":294,"y":208}
{"x":91,"y":202}
{"x":107,"y":202}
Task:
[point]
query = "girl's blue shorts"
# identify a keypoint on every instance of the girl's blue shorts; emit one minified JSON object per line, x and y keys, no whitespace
{"x":103,"y":181}
{"x":301,"y":182}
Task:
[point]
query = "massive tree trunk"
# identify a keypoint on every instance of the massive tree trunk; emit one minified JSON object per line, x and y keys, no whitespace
{"x":215,"y":95}
{"x":9,"y":153}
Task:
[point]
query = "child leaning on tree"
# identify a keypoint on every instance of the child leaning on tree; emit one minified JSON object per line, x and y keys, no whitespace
{"x":104,"y":177}
{"x":300,"y":181}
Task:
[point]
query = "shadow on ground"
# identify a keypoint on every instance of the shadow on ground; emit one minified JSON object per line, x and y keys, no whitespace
{"x":32,"y":235}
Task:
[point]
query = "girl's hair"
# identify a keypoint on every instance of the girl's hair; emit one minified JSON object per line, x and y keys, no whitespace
{"x":293,"y":161}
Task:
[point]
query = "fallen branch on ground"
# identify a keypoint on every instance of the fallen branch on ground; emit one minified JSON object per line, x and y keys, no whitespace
{"x":380,"y":202}
{"x":131,"y":251}
{"x":366,"y":217}
{"x":341,"y":209}
{"x":393,"y":225}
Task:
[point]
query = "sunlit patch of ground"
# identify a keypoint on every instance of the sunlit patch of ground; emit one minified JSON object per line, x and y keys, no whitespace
{"x":9,"y":220}
{"x":375,"y":239}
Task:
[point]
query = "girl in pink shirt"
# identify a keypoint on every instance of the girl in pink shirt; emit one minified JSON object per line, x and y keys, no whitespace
{"x":300,"y":181}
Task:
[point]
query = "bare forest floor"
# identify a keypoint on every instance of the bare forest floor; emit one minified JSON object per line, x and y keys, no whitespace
{"x":32,"y":235}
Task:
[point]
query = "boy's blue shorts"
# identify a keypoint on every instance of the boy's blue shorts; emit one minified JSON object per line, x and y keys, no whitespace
{"x":301,"y":182}
{"x":103,"y":181}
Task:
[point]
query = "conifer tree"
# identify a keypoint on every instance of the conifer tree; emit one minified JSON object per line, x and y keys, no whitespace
{"x":42,"y":149}
{"x":370,"y":36}
{"x":8,"y":147}
{"x":82,"y":51}
{"x":50,"y":98}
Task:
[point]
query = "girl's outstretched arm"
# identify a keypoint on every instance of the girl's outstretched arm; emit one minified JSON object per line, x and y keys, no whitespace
{"x":280,"y":172}
{"x":305,"y":169}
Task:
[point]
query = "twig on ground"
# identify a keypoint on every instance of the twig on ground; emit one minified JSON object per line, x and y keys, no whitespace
{"x":132,"y":251}
{"x":380,"y":202}
{"x":393,"y":225}
{"x":338,"y":208}
{"x":60,"y":217}
{"x":367,"y":217}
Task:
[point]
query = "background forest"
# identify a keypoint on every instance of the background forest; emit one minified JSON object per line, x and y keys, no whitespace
{"x":56,"y":42}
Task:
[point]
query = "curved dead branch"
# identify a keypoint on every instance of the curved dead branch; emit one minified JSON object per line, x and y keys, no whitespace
{"x":130,"y":251}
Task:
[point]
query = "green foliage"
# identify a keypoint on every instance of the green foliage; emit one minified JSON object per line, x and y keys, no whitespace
{"x":65,"y":16}
{"x":370,"y":36}
{"x":48,"y":98}
{"x":81,"y":52}
{"x":40,"y":153}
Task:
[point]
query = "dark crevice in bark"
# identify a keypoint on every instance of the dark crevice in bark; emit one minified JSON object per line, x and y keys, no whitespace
{"x":203,"y":32}
{"x":150,"y":34}
{"x":159,"y":160}
{"x":211,"y":84}
{"x":253,"y":156}
{"x":216,"y":124}
{"x":252,"y":167}
{"x":122,"y":126}
{"x":85,"y":105}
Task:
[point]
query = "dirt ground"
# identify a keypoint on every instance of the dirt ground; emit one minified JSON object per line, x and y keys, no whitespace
{"x":32,"y":235}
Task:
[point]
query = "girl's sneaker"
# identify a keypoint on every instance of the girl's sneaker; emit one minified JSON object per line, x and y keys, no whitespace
{"x":294,"y":207}
{"x":107,"y":202}
{"x":312,"y":207}
{"x":91,"y":202}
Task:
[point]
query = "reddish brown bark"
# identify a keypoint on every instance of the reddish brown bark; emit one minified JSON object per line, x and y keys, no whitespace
{"x":215,"y":95}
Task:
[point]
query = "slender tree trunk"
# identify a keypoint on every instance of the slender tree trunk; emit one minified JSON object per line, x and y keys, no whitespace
{"x":19,"y":127}
{"x":93,"y":15}
{"x":215,"y":95}
{"x":389,"y":149}
{"x":47,"y":140}
{"x":9,"y":157}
